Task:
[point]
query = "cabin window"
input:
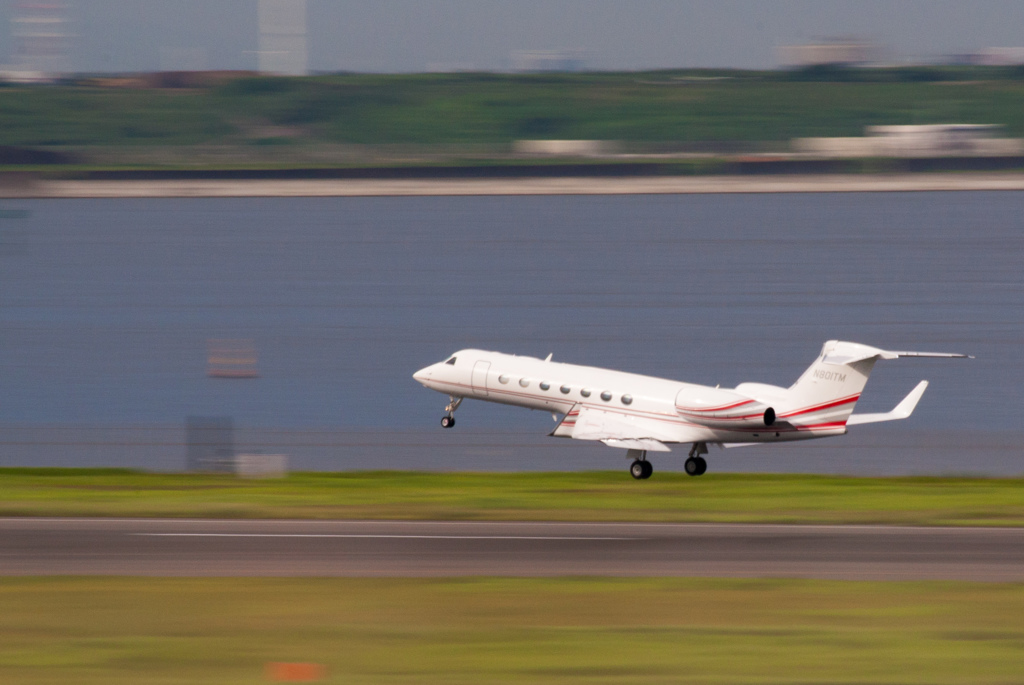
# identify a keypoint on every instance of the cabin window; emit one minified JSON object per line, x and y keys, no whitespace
{"x":606,"y":396}
{"x":524,"y":382}
{"x":545,"y":386}
{"x":503,"y":379}
{"x":585,"y":392}
{"x":627,"y":399}
{"x":451,"y":361}
{"x":565,"y":389}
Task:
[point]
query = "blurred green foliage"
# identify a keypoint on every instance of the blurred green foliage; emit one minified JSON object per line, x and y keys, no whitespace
{"x":495,"y":109}
{"x":586,"y":496}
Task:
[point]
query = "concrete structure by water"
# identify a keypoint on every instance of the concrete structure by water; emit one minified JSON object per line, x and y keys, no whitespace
{"x":23,"y":187}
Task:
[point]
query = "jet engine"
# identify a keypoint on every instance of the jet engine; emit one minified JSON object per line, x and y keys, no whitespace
{"x":717,"y":408}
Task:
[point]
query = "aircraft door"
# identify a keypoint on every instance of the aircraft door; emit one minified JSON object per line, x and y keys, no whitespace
{"x":480,"y":371}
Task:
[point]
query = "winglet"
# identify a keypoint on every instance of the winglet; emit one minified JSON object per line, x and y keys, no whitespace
{"x":901,"y":411}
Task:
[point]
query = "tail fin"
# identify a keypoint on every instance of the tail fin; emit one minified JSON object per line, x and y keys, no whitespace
{"x":827,"y":392}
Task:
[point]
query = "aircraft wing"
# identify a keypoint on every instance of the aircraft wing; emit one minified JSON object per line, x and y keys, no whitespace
{"x":617,"y":429}
{"x":565,"y":427}
{"x":904,"y":409}
{"x":646,"y":444}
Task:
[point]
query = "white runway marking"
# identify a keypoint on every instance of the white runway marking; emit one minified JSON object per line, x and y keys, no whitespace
{"x":372,"y":536}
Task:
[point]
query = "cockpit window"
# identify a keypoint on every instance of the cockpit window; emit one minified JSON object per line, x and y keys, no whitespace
{"x":451,"y":361}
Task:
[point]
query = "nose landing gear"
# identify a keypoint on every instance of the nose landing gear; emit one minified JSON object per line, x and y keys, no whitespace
{"x":448,"y":420}
{"x":640,"y":469}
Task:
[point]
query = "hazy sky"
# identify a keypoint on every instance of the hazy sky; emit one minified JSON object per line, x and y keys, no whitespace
{"x":412,"y":35}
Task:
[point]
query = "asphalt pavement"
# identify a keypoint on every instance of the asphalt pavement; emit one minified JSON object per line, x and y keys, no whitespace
{"x":170,"y":547}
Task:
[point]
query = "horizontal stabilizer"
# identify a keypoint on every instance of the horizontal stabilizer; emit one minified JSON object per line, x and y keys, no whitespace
{"x":902,"y":410}
{"x":841,"y":352}
{"x":941,"y":355}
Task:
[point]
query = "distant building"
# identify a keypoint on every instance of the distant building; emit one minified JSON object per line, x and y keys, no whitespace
{"x":565,"y":148}
{"x":925,"y":140}
{"x":41,"y":38}
{"x":547,"y":60}
{"x":283,"y":47}
{"x":835,"y":53}
{"x":232,"y":359}
{"x":261,"y":465}
{"x":209,"y":443}
{"x":1000,"y":57}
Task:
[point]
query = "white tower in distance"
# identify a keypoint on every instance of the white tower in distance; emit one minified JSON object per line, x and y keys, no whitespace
{"x":41,"y":39}
{"x":283,"y":37}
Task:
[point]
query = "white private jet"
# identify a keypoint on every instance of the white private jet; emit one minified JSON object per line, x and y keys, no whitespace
{"x":644,"y":414}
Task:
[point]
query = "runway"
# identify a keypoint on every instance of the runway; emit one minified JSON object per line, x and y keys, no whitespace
{"x":165,"y":547}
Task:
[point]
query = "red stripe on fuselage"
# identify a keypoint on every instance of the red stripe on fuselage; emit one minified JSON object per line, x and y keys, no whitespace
{"x":730,"y":418}
{"x":677,"y":420}
{"x":722,"y":408}
{"x":821,"y":407}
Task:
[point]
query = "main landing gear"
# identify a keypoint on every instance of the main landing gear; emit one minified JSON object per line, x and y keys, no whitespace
{"x":640,"y":469}
{"x":449,"y":419}
{"x":695,"y":464}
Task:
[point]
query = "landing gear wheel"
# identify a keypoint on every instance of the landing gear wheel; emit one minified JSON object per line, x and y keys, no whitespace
{"x":641,"y":469}
{"x":696,"y":466}
{"x":638,"y":470}
{"x":449,"y":419}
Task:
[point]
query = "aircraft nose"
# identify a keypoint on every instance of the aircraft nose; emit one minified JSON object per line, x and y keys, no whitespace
{"x":423,"y":375}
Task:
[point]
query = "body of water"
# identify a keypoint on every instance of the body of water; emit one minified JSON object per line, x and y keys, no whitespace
{"x":108,"y":307}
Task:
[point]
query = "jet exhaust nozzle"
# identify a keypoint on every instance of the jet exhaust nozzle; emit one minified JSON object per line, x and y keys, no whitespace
{"x":769,"y":416}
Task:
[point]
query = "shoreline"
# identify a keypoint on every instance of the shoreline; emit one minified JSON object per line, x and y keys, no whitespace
{"x":669,"y":185}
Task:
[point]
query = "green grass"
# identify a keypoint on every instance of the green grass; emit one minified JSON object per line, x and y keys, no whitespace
{"x":588,"y":496}
{"x":496,"y":109}
{"x":131,"y":630}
